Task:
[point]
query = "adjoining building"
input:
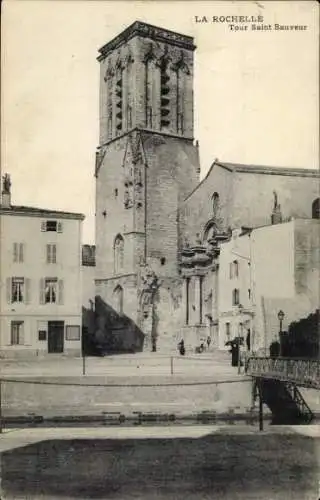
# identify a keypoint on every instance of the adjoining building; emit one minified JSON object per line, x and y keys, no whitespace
{"x":159,"y":231}
{"x":263,"y":271}
{"x":40,"y":302}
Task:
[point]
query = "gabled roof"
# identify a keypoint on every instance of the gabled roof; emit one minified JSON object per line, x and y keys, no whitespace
{"x":39,"y":212}
{"x":257,"y":169}
{"x":263,"y":169}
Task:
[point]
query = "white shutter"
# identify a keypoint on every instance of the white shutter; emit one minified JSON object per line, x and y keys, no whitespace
{"x":21,"y":333}
{"x":21,"y":252}
{"x":59,"y":227}
{"x":27,"y":296}
{"x":42,"y":291}
{"x":60,"y":292}
{"x":43,"y":225}
{"x":54,"y":254}
{"x":9,"y":286}
{"x":48,"y":254}
{"x":15,"y":252}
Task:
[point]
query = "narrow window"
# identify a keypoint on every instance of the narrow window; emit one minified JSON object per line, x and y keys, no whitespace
{"x":164,"y":95}
{"x":18,"y":252}
{"x":235,"y":269}
{"x":119,"y":100}
{"x":228,"y":330}
{"x":118,"y":299}
{"x":129,"y":116}
{"x":51,"y":253}
{"x":17,"y":333}
{"x":231,"y":270}
{"x":17,"y":290}
{"x":118,"y":250}
{"x":235,"y":297}
{"x":187,"y":300}
{"x":148,"y":94}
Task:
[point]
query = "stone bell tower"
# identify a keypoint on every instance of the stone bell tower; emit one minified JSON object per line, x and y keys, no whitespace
{"x":146,"y":164}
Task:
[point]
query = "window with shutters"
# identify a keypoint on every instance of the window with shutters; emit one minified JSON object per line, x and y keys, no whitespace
{"x":51,"y":291}
{"x":51,"y":225}
{"x":17,"y":290}
{"x":17,"y":332}
{"x":18,"y":252}
{"x":51,"y":253}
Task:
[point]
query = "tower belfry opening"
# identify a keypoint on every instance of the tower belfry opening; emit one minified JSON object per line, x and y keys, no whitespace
{"x":164,"y":95}
{"x":119,"y":100}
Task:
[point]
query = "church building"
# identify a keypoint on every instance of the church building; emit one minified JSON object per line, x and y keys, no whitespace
{"x":159,"y":230}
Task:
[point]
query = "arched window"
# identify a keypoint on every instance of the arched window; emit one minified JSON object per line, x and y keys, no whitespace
{"x":316,"y":209}
{"x":118,"y":299}
{"x":118,"y":249}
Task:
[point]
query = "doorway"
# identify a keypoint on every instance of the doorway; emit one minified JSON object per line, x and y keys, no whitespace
{"x":55,"y":336}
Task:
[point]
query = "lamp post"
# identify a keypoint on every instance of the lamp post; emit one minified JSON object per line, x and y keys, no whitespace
{"x":280,"y":318}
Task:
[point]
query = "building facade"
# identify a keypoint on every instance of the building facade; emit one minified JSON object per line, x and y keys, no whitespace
{"x":159,"y":231}
{"x":40,"y":303}
{"x":146,"y":148}
{"x":263,"y":271}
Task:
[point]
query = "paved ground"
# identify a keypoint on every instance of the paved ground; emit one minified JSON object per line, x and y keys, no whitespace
{"x":140,"y":364}
{"x":161,"y":463}
{"x":122,"y":384}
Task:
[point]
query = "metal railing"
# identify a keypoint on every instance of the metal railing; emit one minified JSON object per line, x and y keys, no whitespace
{"x":303,"y":372}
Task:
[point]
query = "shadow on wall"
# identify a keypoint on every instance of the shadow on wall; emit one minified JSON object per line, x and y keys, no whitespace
{"x":105,"y":331}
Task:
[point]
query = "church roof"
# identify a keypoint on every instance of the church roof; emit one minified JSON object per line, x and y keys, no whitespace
{"x":257,"y":169}
{"x":263,"y":169}
{"x":139,"y":28}
{"x":39,"y":212}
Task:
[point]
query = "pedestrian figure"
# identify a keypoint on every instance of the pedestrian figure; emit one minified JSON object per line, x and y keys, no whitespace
{"x":208,"y":342}
{"x":248,"y":340}
{"x":181,"y":347}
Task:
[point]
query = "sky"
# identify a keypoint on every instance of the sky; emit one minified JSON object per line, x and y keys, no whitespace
{"x":256,"y":92}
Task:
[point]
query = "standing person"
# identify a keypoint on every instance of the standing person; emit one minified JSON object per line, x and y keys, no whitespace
{"x":208,"y":341}
{"x":181,"y":347}
{"x":248,"y":340}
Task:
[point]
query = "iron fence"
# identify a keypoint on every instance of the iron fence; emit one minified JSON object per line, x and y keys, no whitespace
{"x":303,"y":372}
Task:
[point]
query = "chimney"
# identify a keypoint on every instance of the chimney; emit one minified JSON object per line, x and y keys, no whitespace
{"x":6,"y":191}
